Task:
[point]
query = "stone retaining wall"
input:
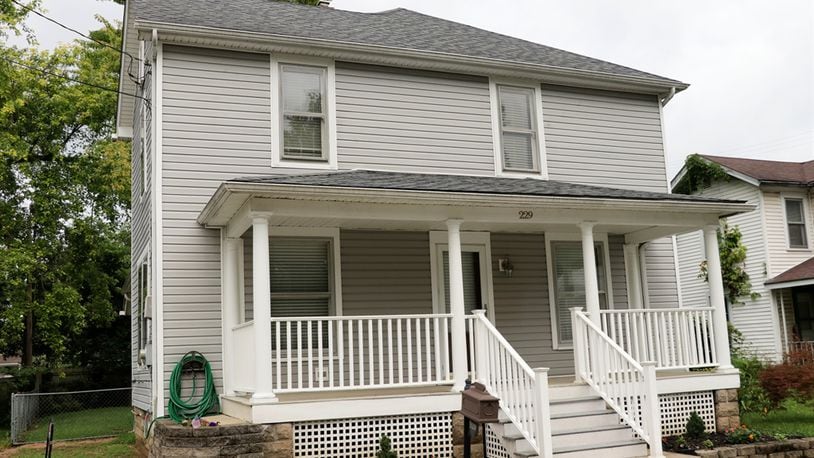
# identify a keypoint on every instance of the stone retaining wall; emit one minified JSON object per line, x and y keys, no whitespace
{"x":727,"y":411}
{"x":793,"y":448}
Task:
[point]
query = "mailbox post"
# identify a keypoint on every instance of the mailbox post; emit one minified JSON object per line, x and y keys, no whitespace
{"x":479,"y":407}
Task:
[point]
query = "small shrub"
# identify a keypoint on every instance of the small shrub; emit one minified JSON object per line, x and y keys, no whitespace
{"x":741,"y":435}
{"x":791,"y":379}
{"x":385,"y":448}
{"x":695,"y":426}
{"x":751,"y":396}
{"x":708,"y":444}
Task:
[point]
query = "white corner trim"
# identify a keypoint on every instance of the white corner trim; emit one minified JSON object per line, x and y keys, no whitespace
{"x":158,"y":233}
{"x":497,"y":146}
{"x":332,"y":233}
{"x":575,"y":236}
{"x":277,"y":160}
{"x":479,"y":242}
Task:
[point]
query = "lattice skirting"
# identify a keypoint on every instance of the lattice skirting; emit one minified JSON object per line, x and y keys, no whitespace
{"x":494,"y":445}
{"x":412,"y":436}
{"x":677,"y":407}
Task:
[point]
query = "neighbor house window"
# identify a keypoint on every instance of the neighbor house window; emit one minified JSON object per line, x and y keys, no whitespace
{"x":518,"y":129}
{"x":303,"y":112}
{"x":569,"y":283}
{"x":796,"y":223}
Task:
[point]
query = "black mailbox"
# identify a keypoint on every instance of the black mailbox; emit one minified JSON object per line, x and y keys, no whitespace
{"x":478,"y":405}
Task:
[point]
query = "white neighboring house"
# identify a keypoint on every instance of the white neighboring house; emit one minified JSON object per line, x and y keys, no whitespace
{"x":349,"y":214}
{"x":779,"y":238}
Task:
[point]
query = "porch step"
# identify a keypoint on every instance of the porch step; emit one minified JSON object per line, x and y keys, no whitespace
{"x":618,"y":449}
{"x":571,"y":390}
{"x":577,"y":404}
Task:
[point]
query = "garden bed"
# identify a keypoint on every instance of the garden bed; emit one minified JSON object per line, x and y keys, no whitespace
{"x":761,"y":446}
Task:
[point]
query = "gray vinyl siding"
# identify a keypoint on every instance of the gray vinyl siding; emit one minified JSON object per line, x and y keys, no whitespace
{"x":614,"y":139}
{"x":413,"y":121}
{"x":385,"y":272}
{"x":757,"y":319}
{"x":141,"y":238}
{"x":216,"y":119}
{"x":603,"y":138}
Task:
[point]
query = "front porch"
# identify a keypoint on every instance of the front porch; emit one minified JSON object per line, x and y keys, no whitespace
{"x":406,"y":294}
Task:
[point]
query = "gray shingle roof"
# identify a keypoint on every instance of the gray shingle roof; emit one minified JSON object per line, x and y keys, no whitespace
{"x":467,"y":184}
{"x":398,"y":29}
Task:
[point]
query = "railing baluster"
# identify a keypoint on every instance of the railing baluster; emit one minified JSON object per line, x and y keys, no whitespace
{"x":330,"y":324}
{"x":279,"y":362}
{"x":289,"y":356}
{"x":321,"y":368}
{"x":381,"y":351}
{"x":417,"y":348}
{"x":371,"y":365}
{"x":340,"y":339}
{"x":400,"y":353}
{"x":360,"y":326}
{"x":427,"y":349}
{"x":409,"y":332}
{"x":351,"y":364}
{"x":390,"y":350}
{"x":439,"y":375}
{"x":309,"y":349}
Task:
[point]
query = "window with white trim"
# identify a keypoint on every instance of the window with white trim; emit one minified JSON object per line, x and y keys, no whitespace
{"x":796,"y":223}
{"x":569,"y":283}
{"x":303,"y":113}
{"x":144,"y":298}
{"x":301,"y":276}
{"x":518,"y":129}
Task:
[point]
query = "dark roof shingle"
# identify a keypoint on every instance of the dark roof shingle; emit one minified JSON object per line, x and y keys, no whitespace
{"x":397,"y":29}
{"x":799,"y":173}
{"x":802,"y":271}
{"x":370,"y":179}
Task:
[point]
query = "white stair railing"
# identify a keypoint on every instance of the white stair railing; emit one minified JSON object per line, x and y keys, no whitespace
{"x":523,"y":391}
{"x":627,"y":386}
{"x":680,"y":338}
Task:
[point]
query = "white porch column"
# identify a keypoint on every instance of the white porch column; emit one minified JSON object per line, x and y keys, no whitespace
{"x":231,"y":305}
{"x":633,"y":272}
{"x":589,"y":266}
{"x":456,"y":303}
{"x":716,"y":296}
{"x":261,"y":294}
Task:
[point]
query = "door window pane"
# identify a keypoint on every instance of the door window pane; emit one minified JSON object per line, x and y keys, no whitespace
{"x":569,"y":283}
{"x":472,"y":285}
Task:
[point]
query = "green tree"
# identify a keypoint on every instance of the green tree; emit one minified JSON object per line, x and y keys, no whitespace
{"x":64,"y":193}
{"x":732,"y":251}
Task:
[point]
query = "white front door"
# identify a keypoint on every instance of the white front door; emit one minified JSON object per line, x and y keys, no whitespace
{"x":476,"y":261}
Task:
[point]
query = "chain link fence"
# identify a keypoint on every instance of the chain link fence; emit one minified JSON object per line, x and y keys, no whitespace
{"x":76,"y":415}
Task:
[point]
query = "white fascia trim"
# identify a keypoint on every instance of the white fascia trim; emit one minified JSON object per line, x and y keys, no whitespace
{"x":122,"y":131}
{"x":277,"y":160}
{"x":790,"y":284}
{"x":158,"y":233}
{"x":403,"y":57}
{"x":552,"y":300}
{"x":476,"y":241}
{"x":332,"y":233}
{"x":494,"y":103}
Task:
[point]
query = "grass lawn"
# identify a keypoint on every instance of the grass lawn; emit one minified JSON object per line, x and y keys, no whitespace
{"x":121,"y":446}
{"x":793,"y":418}
{"x":108,"y":421}
{"x":5,"y":438}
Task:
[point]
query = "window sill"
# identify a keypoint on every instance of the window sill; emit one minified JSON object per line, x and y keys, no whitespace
{"x":798,"y":250}
{"x":305,"y":164}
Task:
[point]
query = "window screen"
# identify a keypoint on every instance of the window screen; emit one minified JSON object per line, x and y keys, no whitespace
{"x":569,"y":283}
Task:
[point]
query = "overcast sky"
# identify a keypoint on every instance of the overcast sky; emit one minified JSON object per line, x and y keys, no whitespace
{"x":750,"y":63}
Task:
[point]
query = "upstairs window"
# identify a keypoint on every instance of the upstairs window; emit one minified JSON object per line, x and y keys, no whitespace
{"x":518,"y":129}
{"x":303,"y":113}
{"x":796,"y":223}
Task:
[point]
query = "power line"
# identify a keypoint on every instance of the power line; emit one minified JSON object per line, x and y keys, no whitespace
{"x":102,"y":43}
{"x":78,"y":81}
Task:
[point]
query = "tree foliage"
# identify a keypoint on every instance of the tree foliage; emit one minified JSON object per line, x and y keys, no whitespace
{"x":700,"y":173}
{"x":732,"y":251}
{"x":64,"y":193}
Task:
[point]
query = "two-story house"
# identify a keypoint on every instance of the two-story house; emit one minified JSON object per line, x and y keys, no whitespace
{"x":778,"y":237}
{"x":349,"y":214}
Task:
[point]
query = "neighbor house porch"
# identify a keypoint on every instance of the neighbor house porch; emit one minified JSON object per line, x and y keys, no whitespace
{"x":358,"y":295}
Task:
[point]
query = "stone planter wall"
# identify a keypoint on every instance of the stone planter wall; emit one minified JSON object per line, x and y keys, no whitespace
{"x":792,"y":448}
{"x":727,"y":412}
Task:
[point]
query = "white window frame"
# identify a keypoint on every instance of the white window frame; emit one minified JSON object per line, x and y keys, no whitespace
{"x":601,"y":237}
{"x":497,"y":127}
{"x":479,"y":242}
{"x":329,"y":139}
{"x":144,"y":259}
{"x":332,"y":233}
{"x":805,"y":209}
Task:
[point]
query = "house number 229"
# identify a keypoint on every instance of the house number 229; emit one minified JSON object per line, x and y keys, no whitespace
{"x":525,"y":214}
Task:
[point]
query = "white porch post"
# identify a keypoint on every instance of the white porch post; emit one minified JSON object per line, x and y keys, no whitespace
{"x":231,"y":312}
{"x":456,"y":303}
{"x":261,"y":293}
{"x":589,"y":266}
{"x":716,"y":296}
{"x":634,"y":275}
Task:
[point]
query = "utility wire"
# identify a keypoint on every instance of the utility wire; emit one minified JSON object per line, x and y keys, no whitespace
{"x":102,"y":43}
{"x":78,"y":81}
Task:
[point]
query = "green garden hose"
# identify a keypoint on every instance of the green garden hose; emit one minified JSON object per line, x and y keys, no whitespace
{"x":184,"y":409}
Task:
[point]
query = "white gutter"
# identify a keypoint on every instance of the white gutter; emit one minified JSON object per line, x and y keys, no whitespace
{"x":668,"y":97}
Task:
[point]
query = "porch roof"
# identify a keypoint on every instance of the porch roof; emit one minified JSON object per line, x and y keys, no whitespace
{"x":366,"y":199}
{"x":800,"y":275}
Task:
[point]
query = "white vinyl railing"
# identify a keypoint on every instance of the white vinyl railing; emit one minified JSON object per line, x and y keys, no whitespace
{"x":243,"y":373}
{"x":673,"y":338}
{"x":523,"y":391}
{"x":802,"y":346}
{"x":359,"y":352}
{"x":627,"y":386}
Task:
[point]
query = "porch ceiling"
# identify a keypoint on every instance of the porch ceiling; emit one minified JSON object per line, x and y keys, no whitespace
{"x":389,"y":201}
